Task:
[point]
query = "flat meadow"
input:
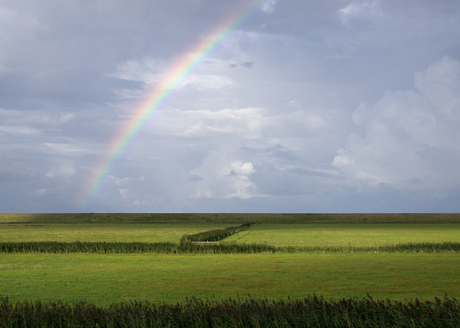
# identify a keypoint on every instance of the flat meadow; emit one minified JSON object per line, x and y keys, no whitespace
{"x":104,"y":279}
{"x":347,"y":234}
{"x":108,"y":232}
{"x":107,"y":278}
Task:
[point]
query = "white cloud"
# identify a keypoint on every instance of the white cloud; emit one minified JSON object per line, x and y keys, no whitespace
{"x":63,"y":148}
{"x":19,"y":118}
{"x":440,"y":86}
{"x":147,"y":70}
{"x":221,"y":177}
{"x":123,"y":192}
{"x":63,"y":171}
{"x":268,"y":6}
{"x":360,"y":9}
{"x":127,"y":180}
{"x":208,"y":81}
{"x":239,"y":172}
{"x":246,"y":122}
{"x":13,"y":130}
{"x":154,"y":72}
{"x":142,"y":202}
{"x":411,"y":137}
{"x":314,"y":121}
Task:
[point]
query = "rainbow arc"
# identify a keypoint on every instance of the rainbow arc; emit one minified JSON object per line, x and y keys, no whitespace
{"x":179,"y":71}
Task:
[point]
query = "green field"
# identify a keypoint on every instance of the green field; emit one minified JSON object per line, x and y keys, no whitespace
{"x":104,"y":279}
{"x":93,"y":232}
{"x":277,"y":234}
{"x":351,"y":234}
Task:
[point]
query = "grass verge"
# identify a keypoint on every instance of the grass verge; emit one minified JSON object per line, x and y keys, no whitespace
{"x":229,"y":217}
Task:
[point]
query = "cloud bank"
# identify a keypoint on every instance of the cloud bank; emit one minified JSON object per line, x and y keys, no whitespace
{"x":306,"y":107}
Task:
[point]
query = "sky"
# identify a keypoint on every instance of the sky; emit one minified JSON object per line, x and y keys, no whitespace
{"x":300,"y":106}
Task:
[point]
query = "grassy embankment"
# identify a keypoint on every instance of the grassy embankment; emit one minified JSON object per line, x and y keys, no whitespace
{"x":229,"y":218}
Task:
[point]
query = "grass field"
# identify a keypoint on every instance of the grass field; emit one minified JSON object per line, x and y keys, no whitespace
{"x":92,"y":232}
{"x":107,"y":278}
{"x":104,"y":279}
{"x":351,"y":234}
{"x":277,"y":234}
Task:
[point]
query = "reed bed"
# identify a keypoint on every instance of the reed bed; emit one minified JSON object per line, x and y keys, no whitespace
{"x":230,"y":248}
{"x":249,"y":312}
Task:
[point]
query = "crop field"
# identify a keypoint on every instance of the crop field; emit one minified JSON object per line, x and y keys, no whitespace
{"x":107,"y":278}
{"x":351,"y":234}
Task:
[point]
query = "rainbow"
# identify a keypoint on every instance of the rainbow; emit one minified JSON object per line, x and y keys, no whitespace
{"x":179,"y":71}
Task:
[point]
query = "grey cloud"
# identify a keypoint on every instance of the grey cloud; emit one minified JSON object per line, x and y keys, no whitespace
{"x":409,"y":135}
{"x":312,"y":172}
{"x":288,"y":134}
{"x":195,"y":177}
{"x":277,"y":150}
{"x":275,"y":182}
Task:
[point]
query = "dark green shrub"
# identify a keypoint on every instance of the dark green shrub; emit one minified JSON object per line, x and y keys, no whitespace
{"x":214,"y":235}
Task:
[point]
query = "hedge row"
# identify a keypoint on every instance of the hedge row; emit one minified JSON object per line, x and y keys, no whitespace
{"x":214,"y":235}
{"x":230,"y":248}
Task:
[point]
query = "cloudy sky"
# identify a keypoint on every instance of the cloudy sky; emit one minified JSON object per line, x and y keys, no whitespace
{"x":306,"y":106}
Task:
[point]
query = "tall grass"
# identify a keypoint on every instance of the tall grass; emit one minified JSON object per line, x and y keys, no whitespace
{"x":230,"y":248}
{"x":249,"y":312}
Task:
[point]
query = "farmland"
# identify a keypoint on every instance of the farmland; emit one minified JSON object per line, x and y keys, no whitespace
{"x":106,"y":278}
{"x":103,"y":279}
{"x":92,"y":232}
{"x":351,"y":234}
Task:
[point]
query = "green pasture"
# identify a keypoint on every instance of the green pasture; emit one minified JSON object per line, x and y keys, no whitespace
{"x":277,"y":234}
{"x":95,"y":232}
{"x":347,"y":234}
{"x":104,"y":279}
